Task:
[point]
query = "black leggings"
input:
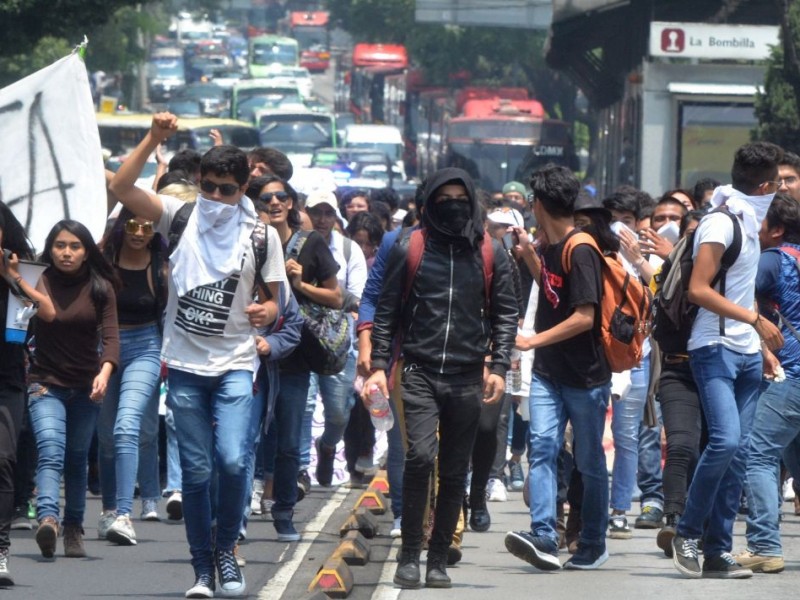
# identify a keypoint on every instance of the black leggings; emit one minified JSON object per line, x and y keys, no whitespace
{"x":685,"y":429}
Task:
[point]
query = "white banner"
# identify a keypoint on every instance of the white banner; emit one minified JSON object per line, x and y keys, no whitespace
{"x":51,"y":166}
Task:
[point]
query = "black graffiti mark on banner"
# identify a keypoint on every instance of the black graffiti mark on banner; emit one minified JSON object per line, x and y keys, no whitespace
{"x":36,"y":115}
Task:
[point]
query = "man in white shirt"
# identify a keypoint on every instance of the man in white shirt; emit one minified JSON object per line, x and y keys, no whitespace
{"x":213,"y":307}
{"x":724,"y":354}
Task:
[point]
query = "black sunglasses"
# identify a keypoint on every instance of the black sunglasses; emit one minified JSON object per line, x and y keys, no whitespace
{"x":226,"y":189}
{"x":267,"y":196}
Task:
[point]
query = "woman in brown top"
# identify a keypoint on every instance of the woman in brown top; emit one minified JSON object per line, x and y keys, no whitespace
{"x":74,"y":357}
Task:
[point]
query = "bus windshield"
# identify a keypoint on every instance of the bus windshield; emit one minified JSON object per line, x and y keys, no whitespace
{"x":271,"y":53}
{"x":496,"y":129}
{"x":309,"y":36}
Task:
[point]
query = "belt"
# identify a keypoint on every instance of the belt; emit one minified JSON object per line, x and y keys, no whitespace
{"x":674,"y":359}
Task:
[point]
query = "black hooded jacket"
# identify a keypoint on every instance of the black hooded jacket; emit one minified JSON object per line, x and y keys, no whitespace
{"x":444,"y":324}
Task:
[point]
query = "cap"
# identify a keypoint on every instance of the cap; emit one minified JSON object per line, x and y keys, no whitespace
{"x":506,"y":216}
{"x":318,"y":197}
{"x":514,"y":186}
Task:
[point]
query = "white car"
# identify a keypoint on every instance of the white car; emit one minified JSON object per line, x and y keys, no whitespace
{"x":300,"y":75}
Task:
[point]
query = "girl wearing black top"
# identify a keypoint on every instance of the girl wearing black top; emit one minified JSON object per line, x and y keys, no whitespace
{"x":137,"y":253}
{"x":312,"y":275}
{"x":13,"y":247}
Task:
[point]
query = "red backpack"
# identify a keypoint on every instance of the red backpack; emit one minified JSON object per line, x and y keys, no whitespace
{"x":624,"y":308}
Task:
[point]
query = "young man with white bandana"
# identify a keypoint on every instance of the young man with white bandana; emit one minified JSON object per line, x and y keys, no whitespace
{"x":213,"y":307}
{"x":726,"y":361}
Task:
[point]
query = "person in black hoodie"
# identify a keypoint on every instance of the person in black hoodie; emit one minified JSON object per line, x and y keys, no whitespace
{"x":456,"y":340}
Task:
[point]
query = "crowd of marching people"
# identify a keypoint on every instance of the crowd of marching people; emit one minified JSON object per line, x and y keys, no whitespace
{"x":494,"y":322}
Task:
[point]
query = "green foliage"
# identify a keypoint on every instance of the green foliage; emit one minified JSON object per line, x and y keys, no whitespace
{"x":777,"y":108}
{"x":48,"y":50}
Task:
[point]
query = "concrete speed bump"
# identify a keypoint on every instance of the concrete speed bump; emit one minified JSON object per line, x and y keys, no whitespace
{"x":373,"y":500}
{"x":354,"y":549}
{"x":380,"y":482}
{"x":361,"y":520}
{"x":334,"y":578}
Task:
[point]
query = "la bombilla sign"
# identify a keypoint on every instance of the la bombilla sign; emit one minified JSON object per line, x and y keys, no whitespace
{"x":720,"y":42}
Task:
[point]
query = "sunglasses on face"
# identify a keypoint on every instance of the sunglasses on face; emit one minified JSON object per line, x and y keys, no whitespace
{"x":267,"y":196}
{"x":226,"y":189}
{"x":132,"y":226}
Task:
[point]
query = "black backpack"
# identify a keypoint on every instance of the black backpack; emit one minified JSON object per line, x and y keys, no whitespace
{"x":673,"y":314}
{"x":258,"y":240}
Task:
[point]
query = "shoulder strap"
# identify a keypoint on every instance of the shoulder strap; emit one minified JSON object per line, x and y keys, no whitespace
{"x":576,"y":238}
{"x":728,"y":258}
{"x":487,"y":254}
{"x":416,"y":248}
{"x":258,"y":242}
{"x":295,"y":245}
{"x":178,"y":225}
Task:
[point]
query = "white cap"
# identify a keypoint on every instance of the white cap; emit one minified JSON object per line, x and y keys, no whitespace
{"x":318,"y":197}
{"x":507,"y":216}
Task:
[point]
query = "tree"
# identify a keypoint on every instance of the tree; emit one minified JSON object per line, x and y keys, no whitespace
{"x":778,"y":108}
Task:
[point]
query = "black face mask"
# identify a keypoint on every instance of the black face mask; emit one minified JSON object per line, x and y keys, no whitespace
{"x":453,"y":215}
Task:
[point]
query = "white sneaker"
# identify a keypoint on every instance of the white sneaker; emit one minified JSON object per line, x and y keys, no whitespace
{"x":396,"y":532}
{"x":496,"y":491}
{"x":121,"y":531}
{"x":266,"y":508}
{"x":150,"y":510}
{"x":365,"y":465}
{"x":788,"y":489}
{"x":5,"y":574}
{"x":255,"y":497}
{"x":107,"y":518}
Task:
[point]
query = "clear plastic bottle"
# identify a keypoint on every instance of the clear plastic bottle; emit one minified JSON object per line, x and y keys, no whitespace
{"x":379,"y":410}
{"x":514,"y":374}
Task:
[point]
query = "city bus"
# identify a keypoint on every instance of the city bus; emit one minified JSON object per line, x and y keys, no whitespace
{"x":267,"y":51}
{"x":310,"y":29}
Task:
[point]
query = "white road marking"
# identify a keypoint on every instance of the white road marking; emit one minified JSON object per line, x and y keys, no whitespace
{"x":386,"y":590}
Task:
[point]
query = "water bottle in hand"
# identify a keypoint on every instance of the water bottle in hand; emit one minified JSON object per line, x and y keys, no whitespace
{"x":379,"y":410}
{"x":514,"y":374}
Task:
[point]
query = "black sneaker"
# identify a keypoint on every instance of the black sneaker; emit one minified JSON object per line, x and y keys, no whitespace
{"x":203,"y":587}
{"x":517,"y":478}
{"x":667,"y":532}
{"x":538,"y":551}
{"x":303,"y":484}
{"x":407,"y":574}
{"x":684,"y":556}
{"x":479,"y":518}
{"x":650,"y":518}
{"x":231,"y":580}
{"x":325,"y":458}
{"x":724,"y":567}
{"x":284,"y":527}
{"x":618,"y":528}
{"x":20,"y":519}
{"x":587,"y":557}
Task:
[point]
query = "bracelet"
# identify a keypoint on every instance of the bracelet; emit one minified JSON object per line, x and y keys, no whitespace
{"x":754,"y":323}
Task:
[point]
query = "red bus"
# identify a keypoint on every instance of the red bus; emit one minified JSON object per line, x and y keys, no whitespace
{"x":310,"y":29}
{"x":502,"y":140}
{"x":376,"y":83}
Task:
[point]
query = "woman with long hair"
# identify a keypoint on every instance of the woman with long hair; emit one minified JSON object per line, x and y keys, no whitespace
{"x":73,"y":359}
{"x":136,"y":252}
{"x":14,"y":246}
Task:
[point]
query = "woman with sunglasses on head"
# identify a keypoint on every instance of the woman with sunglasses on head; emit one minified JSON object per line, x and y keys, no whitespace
{"x":14,"y":245}
{"x":312,"y":275}
{"x":136,"y":252}
{"x":74,"y":358}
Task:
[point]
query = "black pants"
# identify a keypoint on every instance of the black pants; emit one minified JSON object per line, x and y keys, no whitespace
{"x":685,"y":429}
{"x":359,"y":436}
{"x":488,"y":445}
{"x":451,"y":405}
{"x":12,"y":408}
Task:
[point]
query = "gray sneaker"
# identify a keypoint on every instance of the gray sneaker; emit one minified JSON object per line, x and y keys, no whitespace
{"x":5,"y":574}
{"x":107,"y":518}
{"x":538,"y":551}
{"x":150,"y":510}
{"x":684,"y":556}
{"x":618,"y":528}
{"x":121,"y":531}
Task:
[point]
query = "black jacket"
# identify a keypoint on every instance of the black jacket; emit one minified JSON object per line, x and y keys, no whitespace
{"x":444,"y":325}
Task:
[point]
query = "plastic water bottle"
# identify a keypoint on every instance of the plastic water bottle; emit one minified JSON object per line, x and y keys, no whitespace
{"x":379,"y":410}
{"x":514,"y":374}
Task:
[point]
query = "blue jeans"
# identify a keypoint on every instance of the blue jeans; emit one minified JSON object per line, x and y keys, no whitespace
{"x":551,"y":405}
{"x":174,"y":483}
{"x":148,"y":474}
{"x":337,"y":399}
{"x":132,"y":394}
{"x":727,"y":383}
{"x":777,"y":423}
{"x":63,"y":422}
{"x":651,"y":475}
{"x":626,"y":418}
{"x":216,"y":420}
{"x":395,"y":463}
{"x":289,"y":408}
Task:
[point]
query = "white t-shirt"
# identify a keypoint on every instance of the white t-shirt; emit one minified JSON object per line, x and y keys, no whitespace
{"x":207,"y":332}
{"x":352,"y":275}
{"x":740,"y":285}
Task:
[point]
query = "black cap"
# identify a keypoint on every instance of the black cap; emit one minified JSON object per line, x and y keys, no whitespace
{"x":585,"y":202}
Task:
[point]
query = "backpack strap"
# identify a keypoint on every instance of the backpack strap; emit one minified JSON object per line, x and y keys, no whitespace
{"x":178,"y":225}
{"x":348,"y":248}
{"x":575,"y":238}
{"x":296,"y":242}
{"x":487,"y":254}
{"x":416,"y":248}
{"x":728,"y":258}
{"x":258,"y":243}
